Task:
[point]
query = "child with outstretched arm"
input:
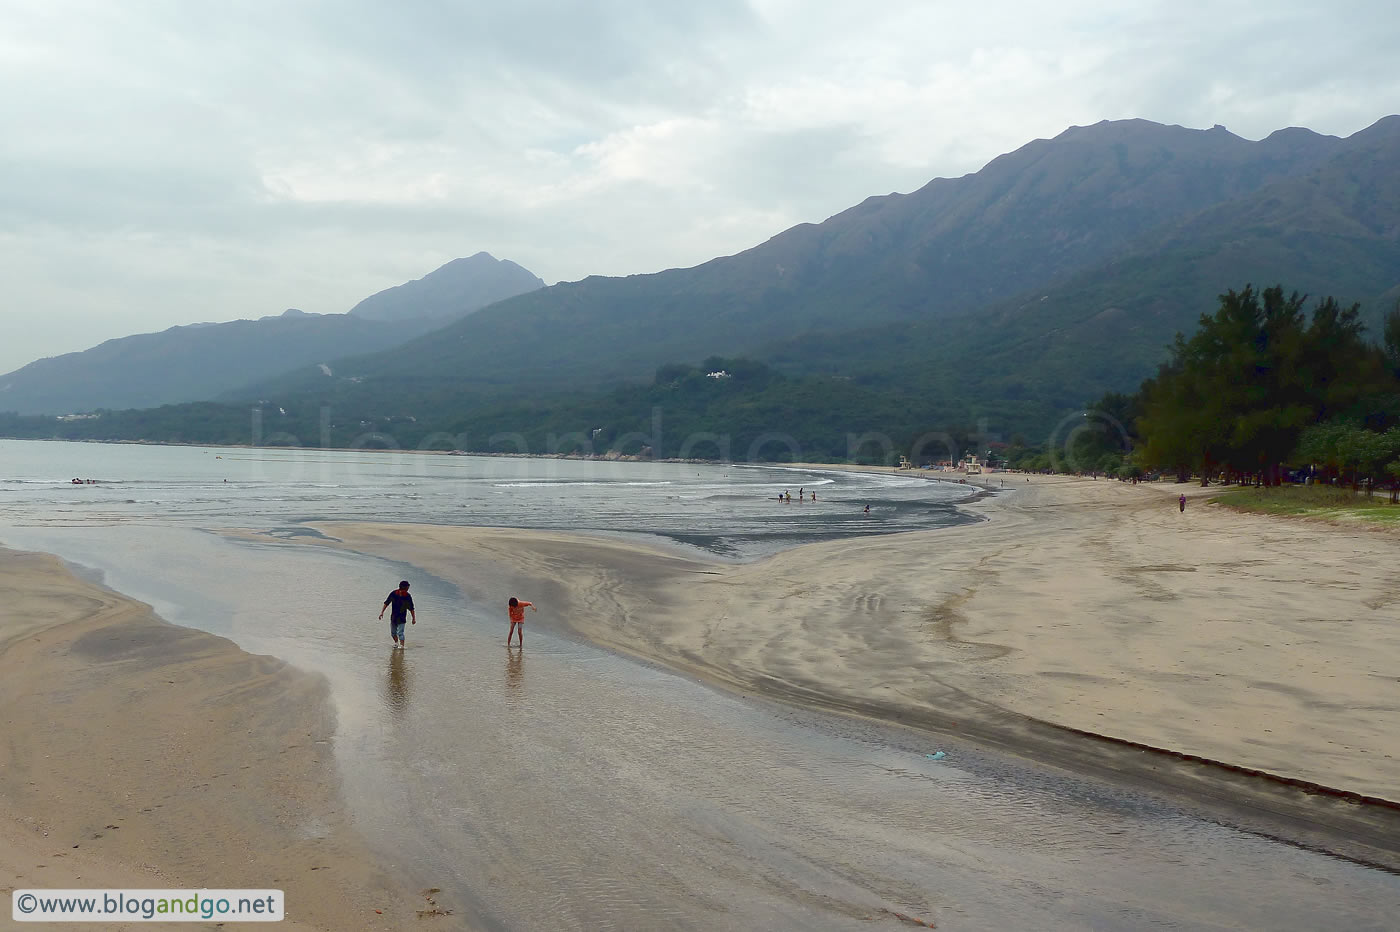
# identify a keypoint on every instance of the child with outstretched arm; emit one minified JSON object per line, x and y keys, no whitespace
{"x":517,"y":617}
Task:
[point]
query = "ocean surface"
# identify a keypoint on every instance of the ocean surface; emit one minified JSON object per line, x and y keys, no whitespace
{"x":729,"y":511}
{"x":565,"y":787}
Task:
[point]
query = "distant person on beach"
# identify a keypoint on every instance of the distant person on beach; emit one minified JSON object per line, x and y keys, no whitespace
{"x":402,"y":607}
{"x":517,"y":617}
{"x":1182,"y":502}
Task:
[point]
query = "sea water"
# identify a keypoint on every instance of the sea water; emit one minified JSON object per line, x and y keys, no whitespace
{"x":728,"y":510}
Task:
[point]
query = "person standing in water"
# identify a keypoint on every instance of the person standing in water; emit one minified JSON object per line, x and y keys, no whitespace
{"x":402,"y":604}
{"x":517,"y":617}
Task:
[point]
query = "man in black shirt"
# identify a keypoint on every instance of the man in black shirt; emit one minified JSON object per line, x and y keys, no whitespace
{"x":402,"y":604}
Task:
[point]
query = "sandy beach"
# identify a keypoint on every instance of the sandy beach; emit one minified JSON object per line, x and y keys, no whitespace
{"x":1266,"y":644}
{"x":145,"y":755}
{"x":170,"y":758}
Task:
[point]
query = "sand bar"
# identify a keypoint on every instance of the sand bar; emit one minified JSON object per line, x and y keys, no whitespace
{"x":141,"y":754}
{"x":1264,"y":643}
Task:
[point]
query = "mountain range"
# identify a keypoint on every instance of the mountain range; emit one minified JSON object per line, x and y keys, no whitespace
{"x":1010,"y":296}
{"x":1057,"y":272}
{"x":203,"y":361}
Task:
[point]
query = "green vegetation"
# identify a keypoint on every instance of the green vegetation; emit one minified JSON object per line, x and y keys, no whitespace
{"x":749,"y":412}
{"x":1236,"y":397}
{"x":1260,"y":388}
{"x":1310,"y":501}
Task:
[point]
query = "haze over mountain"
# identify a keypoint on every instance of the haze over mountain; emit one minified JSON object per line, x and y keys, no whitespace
{"x":202,"y":361}
{"x":187,"y":363}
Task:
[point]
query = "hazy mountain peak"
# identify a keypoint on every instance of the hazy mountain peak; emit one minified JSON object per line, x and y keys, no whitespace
{"x":1293,"y":134}
{"x":1110,"y":131}
{"x":291,"y":313}
{"x":455,"y":289}
{"x":203,"y":360}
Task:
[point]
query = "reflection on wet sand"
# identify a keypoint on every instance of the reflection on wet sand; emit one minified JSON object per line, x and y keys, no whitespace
{"x":396,"y":686}
{"x":515,"y":671}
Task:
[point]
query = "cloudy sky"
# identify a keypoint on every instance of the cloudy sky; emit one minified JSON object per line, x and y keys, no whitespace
{"x":169,"y":162}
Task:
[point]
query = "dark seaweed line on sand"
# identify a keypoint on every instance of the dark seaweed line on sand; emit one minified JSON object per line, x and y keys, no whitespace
{"x":1353,"y":826}
{"x":1306,"y":786}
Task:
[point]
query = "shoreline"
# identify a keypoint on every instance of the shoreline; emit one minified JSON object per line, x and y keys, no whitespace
{"x":142,"y":754}
{"x":575,"y":457}
{"x":867,"y":627}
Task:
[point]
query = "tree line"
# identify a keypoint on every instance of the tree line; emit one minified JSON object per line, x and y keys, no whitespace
{"x":1263,"y":391}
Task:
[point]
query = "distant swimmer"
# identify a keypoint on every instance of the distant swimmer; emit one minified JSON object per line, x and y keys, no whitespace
{"x":814,"y":495}
{"x":1182,"y":502}
{"x":867,"y":509}
{"x":517,"y":617}
{"x":802,"y":493}
{"x":402,"y":604}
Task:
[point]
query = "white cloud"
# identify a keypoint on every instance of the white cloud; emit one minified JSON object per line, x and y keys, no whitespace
{"x":167,"y":162}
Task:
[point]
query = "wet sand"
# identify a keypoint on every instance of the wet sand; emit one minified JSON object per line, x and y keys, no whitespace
{"x":141,"y":754}
{"x":1265,"y":644}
